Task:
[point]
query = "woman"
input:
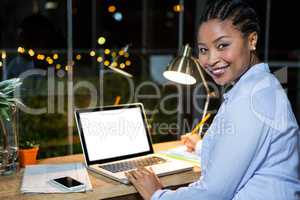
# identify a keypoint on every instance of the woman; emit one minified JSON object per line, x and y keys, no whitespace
{"x":251,"y":149}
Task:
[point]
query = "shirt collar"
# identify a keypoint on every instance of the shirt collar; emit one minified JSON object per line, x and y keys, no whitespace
{"x":260,"y":67}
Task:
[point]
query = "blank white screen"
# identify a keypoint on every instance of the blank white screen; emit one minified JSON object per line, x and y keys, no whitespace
{"x":114,"y":133}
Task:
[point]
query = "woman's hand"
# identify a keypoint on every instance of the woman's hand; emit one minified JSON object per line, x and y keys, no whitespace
{"x":190,"y":140}
{"x":145,"y":181}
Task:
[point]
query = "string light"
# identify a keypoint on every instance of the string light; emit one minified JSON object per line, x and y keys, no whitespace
{"x":99,"y":59}
{"x":121,"y":52}
{"x":127,"y":62}
{"x":68,"y":67}
{"x":92,"y":53}
{"x":111,"y":8}
{"x":55,"y":56}
{"x":107,"y":51}
{"x":21,"y":50}
{"x":31,"y":52}
{"x":106,"y":63}
{"x":40,"y":57}
{"x":114,"y":64}
{"x":3,"y":56}
{"x":50,"y":61}
{"x":78,"y":57}
{"x":101,"y":40}
{"x":178,"y":8}
{"x":113,"y":54}
{"x":122,"y":65}
{"x":1,"y":64}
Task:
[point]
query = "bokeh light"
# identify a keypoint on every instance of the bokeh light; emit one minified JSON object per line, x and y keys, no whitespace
{"x":92,"y":53}
{"x":40,"y":57}
{"x":177,"y":8}
{"x":31,"y":52}
{"x":78,"y":57}
{"x":101,"y":40}
{"x":127,"y":62}
{"x":118,"y":16}
{"x":21,"y":50}
{"x":99,"y":59}
{"x":114,"y":64}
{"x":106,"y":63}
{"x":107,"y":51}
{"x":55,"y":56}
{"x":122,"y":65}
{"x":3,"y":56}
{"x":112,"y":8}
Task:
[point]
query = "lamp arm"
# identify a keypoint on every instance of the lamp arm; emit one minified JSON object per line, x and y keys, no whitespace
{"x":208,"y":93}
{"x":201,"y":76}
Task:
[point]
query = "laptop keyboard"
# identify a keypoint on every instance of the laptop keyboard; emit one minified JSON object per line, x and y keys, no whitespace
{"x":132,"y":164}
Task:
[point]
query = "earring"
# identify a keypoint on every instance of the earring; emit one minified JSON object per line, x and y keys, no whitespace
{"x":253,"y":48}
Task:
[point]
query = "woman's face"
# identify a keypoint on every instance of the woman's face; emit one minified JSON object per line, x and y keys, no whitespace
{"x":224,"y":52}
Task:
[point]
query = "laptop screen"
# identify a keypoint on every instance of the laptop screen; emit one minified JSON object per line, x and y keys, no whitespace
{"x":113,"y":132}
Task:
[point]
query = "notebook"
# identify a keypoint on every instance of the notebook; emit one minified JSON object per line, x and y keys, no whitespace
{"x":116,"y":139}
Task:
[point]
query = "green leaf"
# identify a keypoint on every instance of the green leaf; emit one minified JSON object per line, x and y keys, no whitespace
{"x":4,"y":114}
{"x":5,"y":104}
{"x":7,"y":99}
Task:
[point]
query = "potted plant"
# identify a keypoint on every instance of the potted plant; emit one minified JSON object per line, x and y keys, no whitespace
{"x":8,"y":130}
{"x":28,"y":153}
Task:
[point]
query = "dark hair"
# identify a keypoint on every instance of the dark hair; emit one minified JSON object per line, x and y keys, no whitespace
{"x":242,"y":15}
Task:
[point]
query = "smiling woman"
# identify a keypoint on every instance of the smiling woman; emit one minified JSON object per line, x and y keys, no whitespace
{"x":227,"y":47}
{"x":224,"y":52}
{"x":250,"y":150}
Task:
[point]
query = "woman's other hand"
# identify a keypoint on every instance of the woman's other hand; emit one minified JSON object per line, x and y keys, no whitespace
{"x":145,"y":181}
{"x":190,"y":140}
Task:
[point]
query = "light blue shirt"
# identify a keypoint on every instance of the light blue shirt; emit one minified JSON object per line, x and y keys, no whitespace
{"x":251,"y":150}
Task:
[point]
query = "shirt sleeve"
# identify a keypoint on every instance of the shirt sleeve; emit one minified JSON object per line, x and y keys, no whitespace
{"x":198,"y":148}
{"x":236,"y":133}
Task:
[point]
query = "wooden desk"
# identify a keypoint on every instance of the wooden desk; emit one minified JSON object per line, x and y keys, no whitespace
{"x":103,"y":188}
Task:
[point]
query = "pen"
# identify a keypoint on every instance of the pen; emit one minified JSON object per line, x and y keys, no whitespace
{"x":117,"y":100}
{"x":194,"y":131}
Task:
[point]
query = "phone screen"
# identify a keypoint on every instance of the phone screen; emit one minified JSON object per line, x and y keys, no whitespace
{"x":68,"y":182}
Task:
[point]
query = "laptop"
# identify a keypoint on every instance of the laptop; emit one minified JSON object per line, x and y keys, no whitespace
{"x":116,"y":139}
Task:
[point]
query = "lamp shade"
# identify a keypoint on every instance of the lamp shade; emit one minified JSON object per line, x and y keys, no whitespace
{"x":181,"y":69}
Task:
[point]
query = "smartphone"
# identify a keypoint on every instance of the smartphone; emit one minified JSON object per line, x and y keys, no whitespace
{"x":68,"y":183}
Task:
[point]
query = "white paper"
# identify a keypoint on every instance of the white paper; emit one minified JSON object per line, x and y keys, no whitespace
{"x":181,"y":153}
{"x":37,"y":178}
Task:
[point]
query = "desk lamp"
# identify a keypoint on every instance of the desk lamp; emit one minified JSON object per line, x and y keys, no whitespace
{"x":181,"y":70}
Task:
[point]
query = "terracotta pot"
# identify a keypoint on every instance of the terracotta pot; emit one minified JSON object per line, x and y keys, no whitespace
{"x":28,"y":156}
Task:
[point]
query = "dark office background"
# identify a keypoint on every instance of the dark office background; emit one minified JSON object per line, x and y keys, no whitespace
{"x":153,"y":29}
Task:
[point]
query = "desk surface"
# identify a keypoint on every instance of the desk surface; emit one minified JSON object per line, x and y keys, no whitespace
{"x":103,"y":187}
